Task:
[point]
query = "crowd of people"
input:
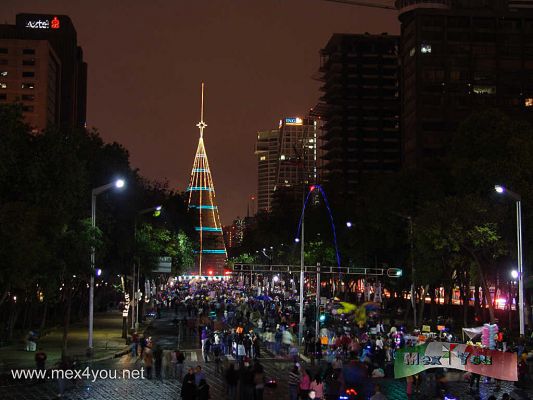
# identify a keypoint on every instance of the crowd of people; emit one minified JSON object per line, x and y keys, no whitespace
{"x":236,"y":322}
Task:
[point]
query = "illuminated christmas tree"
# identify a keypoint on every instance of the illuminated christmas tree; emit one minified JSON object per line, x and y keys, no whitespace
{"x":210,"y":252}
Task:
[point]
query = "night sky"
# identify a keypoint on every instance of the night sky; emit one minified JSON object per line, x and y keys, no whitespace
{"x":147,"y":60}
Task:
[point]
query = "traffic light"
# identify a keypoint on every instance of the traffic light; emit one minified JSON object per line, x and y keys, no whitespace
{"x":322,"y":317}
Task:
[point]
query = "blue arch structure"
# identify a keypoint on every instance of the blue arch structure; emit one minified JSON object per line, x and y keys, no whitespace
{"x":311,"y":190}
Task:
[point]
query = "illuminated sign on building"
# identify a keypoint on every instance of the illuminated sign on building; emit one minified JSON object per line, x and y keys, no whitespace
{"x":293,"y":121}
{"x":55,"y":23}
{"x":43,"y":24}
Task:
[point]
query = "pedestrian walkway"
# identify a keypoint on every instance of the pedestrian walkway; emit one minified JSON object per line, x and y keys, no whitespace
{"x":107,"y":342}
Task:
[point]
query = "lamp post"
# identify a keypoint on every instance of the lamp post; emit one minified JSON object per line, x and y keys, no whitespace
{"x":119,"y":183}
{"x":520,"y":273}
{"x":135,"y":284}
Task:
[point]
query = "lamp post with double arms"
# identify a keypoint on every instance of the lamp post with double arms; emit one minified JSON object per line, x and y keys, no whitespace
{"x":518,"y":199}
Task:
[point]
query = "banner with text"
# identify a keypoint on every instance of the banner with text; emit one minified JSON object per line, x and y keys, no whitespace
{"x":492,"y":363}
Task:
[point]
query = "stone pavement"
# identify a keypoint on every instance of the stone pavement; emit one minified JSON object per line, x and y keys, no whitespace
{"x":107,"y":341}
{"x":165,"y":332}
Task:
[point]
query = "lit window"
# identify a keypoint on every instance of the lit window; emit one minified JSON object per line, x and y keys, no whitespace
{"x":3,"y":85}
{"x":282,"y":157}
{"x":412,"y":52}
{"x":3,"y":73}
{"x":484,"y":89}
{"x":28,"y":85}
{"x":311,"y":140}
{"x":528,"y":102}
{"x":262,"y":158}
{"x":425,"y":48}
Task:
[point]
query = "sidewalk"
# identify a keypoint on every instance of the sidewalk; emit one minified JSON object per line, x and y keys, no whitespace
{"x":107,"y":341}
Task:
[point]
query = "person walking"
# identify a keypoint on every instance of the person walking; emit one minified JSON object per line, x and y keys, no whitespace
{"x":158,"y":361}
{"x":148,"y":359}
{"x":378,"y":395}
{"x":247,"y":382}
{"x":318,"y":387}
{"x":40,"y":360}
{"x":305,"y":384}
{"x":216,"y":355}
{"x":202,"y":391}
{"x":232,"y":380}
{"x":259,"y":382}
{"x":294,"y":382}
{"x":180,"y":359}
{"x":206,"y":348}
{"x":188,"y":388}
{"x":198,"y":375}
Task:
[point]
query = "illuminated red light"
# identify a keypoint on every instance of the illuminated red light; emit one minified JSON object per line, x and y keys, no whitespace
{"x":351,"y":392}
{"x":312,"y":188}
{"x":227,"y":272}
{"x":210,"y":272}
{"x":54,"y":24}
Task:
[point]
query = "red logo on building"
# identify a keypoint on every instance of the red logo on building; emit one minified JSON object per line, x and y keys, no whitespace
{"x":55,"y":23}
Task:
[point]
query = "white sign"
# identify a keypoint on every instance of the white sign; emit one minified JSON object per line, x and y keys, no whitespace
{"x":39,"y":24}
{"x":164,"y":265}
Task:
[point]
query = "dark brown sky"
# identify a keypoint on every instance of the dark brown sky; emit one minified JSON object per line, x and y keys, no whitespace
{"x":147,"y":60}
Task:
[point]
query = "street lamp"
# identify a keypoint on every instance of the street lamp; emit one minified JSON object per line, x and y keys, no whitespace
{"x":514,"y":274}
{"x":135,"y":301}
{"x":119,"y":183}
{"x":520,"y":273}
{"x":348,"y":224}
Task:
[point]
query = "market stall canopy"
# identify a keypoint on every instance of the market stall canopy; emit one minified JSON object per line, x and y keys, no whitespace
{"x":473,"y":332}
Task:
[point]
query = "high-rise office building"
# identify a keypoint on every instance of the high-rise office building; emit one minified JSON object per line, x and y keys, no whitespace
{"x":360,"y":106}
{"x":42,"y":67}
{"x":457,"y":57}
{"x":287,"y":157}
{"x":267,"y":151}
{"x":299,"y":152}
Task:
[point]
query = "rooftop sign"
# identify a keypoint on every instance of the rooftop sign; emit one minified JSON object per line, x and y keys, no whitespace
{"x":293,"y":121}
{"x":43,"y":23}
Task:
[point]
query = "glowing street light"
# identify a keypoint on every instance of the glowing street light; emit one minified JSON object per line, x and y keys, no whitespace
{"x":348,"y":224}
{"x":514,"y":274}
{"x":119,"y":184}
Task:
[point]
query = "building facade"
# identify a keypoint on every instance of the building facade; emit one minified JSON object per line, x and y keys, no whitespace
{"x":287,"y":158}
{"x":42,"y":67}
{"x":360,"y":106}
{"x":299,"y":152}
{"x":458,"y":57}
{"x":267,"y":152}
